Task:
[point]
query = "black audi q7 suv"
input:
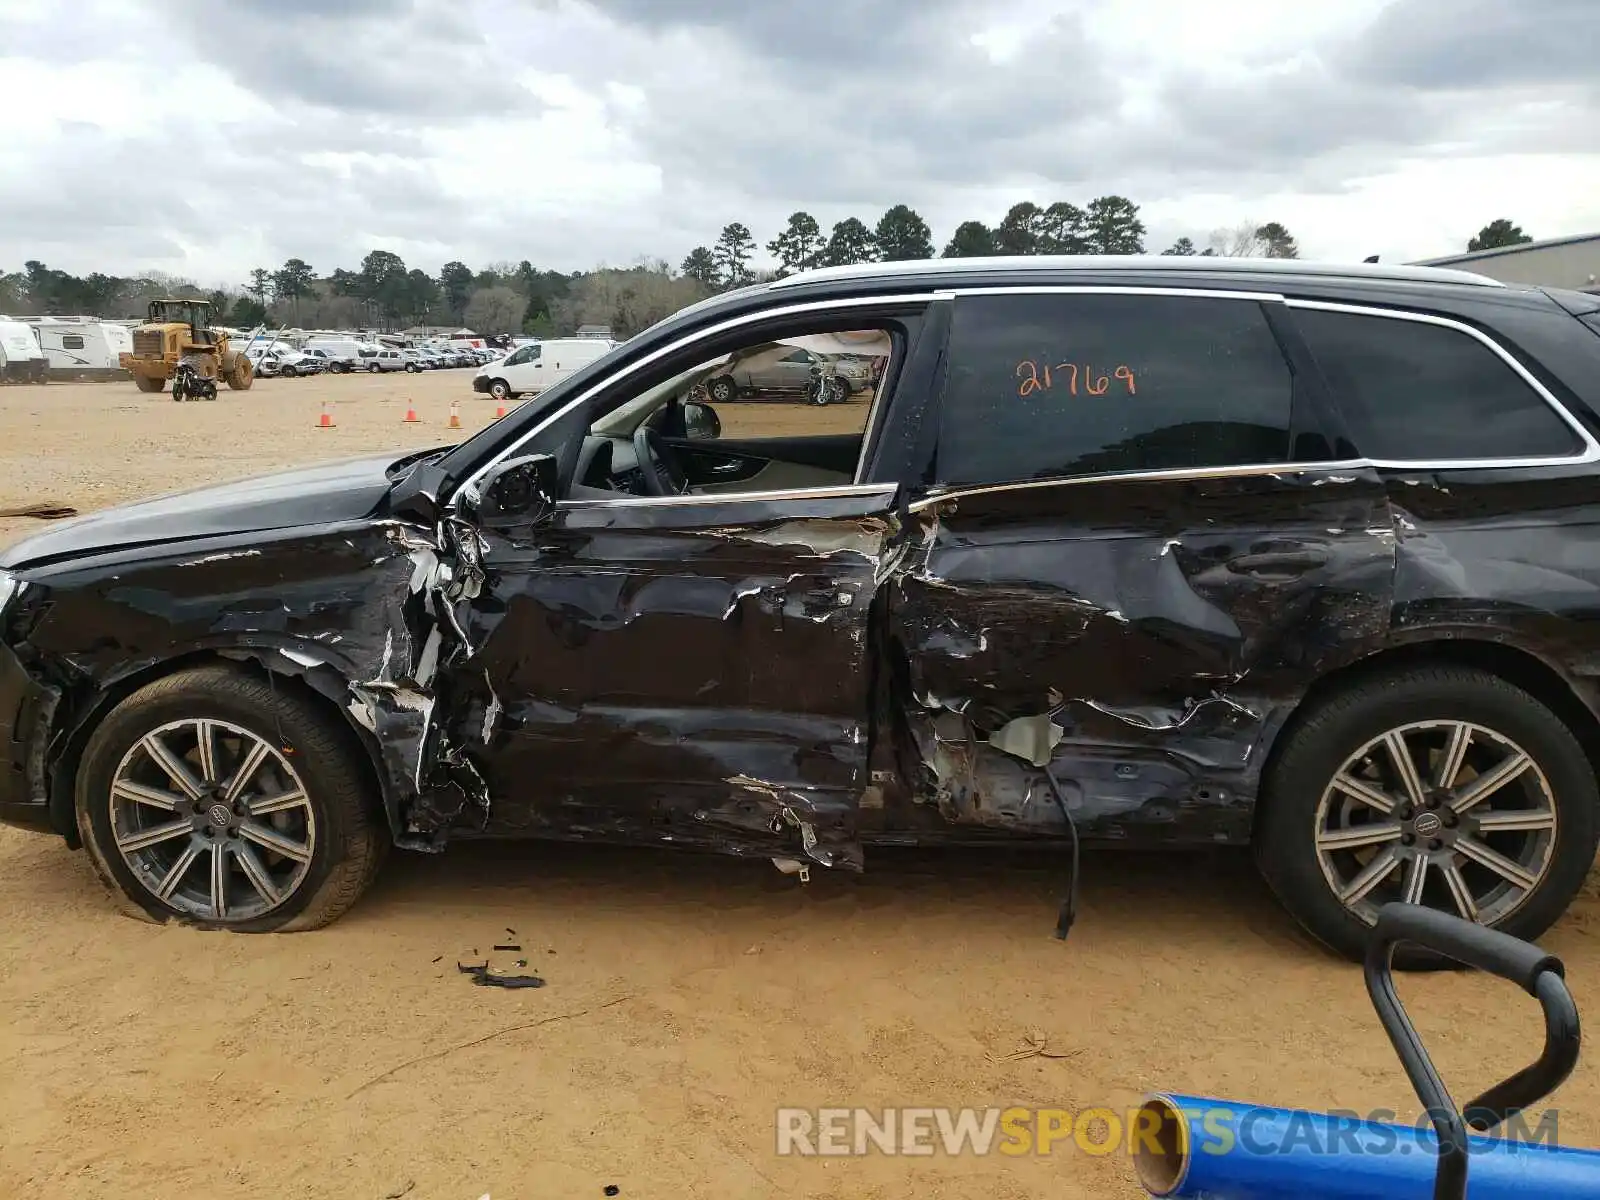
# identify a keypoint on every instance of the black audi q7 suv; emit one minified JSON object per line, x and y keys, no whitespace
{"x":1147,"y":551}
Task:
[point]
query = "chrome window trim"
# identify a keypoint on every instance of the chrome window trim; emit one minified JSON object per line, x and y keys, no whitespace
{"x":1174,"y":474}
{"x":827,"y":492}
{"x":1089,"y":289}
{"x":468,"y":486}
{"x":1589,"y":454}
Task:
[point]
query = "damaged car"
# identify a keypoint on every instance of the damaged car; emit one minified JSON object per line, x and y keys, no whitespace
{"x":1143,"y":552}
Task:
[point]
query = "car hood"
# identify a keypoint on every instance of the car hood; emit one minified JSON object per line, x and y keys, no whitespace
{"x":326,"y":493}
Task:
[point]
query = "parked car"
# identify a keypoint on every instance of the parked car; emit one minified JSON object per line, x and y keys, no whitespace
{"x":336,"y":363}
{"x":386,"y":359}
{"x":536,"y":366}
{"x":1175,"y":552}
{"x":298,"y":362}
{"x":279,"y":358}
{"x":352,"y":351}
{"x":788,"y":374}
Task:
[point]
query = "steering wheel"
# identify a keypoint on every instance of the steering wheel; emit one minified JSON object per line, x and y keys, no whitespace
{"x":659,"y":465}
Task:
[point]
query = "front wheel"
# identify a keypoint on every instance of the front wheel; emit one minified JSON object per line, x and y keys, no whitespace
{"x":146,"y":384}
{"x":413,"y":368}
{"x":500,"y":390}
{"x":1444,"y":786}
{"x":214,"y":798}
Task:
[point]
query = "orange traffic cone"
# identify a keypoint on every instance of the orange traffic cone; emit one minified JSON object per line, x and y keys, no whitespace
{"x":411,"y":416}
{"x":500,"y":411}
{"x":455,"y":414}
{"x":326,"y":420}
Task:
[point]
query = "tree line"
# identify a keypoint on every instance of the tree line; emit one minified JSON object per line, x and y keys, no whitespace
{"x":505,"y":297}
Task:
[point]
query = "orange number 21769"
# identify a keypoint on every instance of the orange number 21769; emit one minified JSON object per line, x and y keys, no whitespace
{"x":1033,"y":380}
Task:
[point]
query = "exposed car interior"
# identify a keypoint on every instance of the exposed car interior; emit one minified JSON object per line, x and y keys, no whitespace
{"x":668,"y":440}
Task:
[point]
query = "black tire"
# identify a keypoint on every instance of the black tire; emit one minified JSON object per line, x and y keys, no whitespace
{"x":413,"y":368}
{"x":352,"y":840}
{"x":723,"y":389}
{"x":1319,"y":744}
{"x":373,"y":368}
{"x":500,"y":390}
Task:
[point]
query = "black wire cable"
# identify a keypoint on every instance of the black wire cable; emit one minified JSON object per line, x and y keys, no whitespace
{"x":1069,"y":906}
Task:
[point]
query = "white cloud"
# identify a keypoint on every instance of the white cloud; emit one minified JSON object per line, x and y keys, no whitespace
{"x":571,"y":133}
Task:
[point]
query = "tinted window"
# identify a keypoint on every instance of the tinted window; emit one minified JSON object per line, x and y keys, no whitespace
{"x":1065,"y":385}
{"x":71,"y":341}
{"x":1419,"y":392}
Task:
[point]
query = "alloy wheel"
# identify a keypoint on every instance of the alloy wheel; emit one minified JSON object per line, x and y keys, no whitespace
{"x":212,"y":820}
{"x":1447,"y":813}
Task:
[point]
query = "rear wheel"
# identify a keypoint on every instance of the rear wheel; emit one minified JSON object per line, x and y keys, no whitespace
{"x":723,"y":389}
{"x":373,"y":368}
{"x":213,"y":798}
{"x":1443,"y":786}
{"x":147,"y":384}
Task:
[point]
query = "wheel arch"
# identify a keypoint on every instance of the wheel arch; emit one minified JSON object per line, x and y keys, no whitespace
{"x":312,"y":685}
{"x":1515,"y":664}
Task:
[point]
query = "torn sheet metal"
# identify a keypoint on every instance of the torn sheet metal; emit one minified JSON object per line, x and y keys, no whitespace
{"x":364,"y":615}
{"x":703,"y":686}
{"x":1148,"y":661}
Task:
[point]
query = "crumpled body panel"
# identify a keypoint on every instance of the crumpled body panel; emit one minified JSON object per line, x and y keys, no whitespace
{"x":696,"y":676}
{"x":1140,"y":639}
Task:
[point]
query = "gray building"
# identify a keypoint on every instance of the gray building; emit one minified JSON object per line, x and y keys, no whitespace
{"x":1569,"y":262}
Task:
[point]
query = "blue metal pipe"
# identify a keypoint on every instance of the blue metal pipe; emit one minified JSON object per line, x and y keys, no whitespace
{"x":1192,"y":1146}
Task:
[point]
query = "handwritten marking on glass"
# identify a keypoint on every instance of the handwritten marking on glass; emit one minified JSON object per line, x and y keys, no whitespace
{"x":1031,"y":380}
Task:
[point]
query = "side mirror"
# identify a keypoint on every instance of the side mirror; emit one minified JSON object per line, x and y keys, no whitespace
{"x":520,"y":491}
{"x":700,"y":420}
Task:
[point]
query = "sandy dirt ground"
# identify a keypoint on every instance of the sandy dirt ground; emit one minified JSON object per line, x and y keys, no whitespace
{"x":687,"y":997}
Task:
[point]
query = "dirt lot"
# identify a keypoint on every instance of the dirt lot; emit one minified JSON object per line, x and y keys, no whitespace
{"x":687,"y":998}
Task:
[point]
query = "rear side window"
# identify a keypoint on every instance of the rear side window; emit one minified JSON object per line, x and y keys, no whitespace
{"x":1058,"y":385}
{"x":1417,"y":392}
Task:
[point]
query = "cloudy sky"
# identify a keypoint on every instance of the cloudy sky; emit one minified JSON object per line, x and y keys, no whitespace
{"x":206,"y":137}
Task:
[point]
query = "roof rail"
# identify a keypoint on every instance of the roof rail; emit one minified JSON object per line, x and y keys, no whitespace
{"x":1140,"y":262}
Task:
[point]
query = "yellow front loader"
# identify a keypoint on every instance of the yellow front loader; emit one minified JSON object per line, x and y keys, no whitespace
{"x":177,"y":342}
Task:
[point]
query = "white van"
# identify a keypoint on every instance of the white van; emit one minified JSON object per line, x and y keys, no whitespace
{"x":83,"y":348}
{"x":534,"y":367}
{"x":21,"y":360}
